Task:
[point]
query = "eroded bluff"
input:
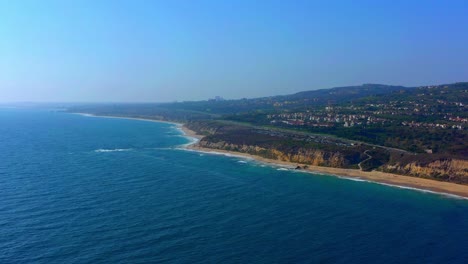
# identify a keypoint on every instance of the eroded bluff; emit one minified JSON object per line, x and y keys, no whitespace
{"x":329,"y":152}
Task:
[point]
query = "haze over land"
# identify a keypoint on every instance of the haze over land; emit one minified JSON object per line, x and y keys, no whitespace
{"x":185,"y":50}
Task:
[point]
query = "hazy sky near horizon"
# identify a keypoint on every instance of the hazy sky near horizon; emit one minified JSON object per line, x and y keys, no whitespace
{"x":190,"y":50}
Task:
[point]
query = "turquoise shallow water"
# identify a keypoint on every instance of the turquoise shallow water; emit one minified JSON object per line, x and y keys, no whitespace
{"x":76,"y":189}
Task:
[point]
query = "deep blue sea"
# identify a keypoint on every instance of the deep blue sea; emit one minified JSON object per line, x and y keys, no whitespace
{"x":77,"y":189}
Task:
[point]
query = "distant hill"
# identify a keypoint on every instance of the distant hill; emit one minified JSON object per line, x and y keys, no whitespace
{"x":433,"y":93}
{"x":343,"y":94}
{"x":196,"y":110}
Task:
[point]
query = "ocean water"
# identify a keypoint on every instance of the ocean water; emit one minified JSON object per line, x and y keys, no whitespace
{"x":77,"y":189}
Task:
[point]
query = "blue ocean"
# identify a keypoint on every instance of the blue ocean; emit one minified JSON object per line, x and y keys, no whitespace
{"x":80,"y":189}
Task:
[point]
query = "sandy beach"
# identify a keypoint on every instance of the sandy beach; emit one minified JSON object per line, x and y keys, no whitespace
{"x":190,"y":133}
{"x":396,"y":180}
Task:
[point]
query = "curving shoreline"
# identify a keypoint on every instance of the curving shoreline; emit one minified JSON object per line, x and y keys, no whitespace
{"x":395,"y":180}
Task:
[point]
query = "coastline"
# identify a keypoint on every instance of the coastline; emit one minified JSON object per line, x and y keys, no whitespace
{"x":129,"y":118}
{"x":389,"y":179}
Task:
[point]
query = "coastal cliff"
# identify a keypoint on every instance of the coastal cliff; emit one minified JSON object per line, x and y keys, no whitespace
{"x":452,"y":170}
{"x":328,"y":152}
{"x":299,"y":155}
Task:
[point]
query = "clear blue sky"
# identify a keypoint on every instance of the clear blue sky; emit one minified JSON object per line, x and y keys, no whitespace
{"x":188,"y":50}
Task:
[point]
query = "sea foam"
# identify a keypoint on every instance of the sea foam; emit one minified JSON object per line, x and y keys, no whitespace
{"x":111,"y":150}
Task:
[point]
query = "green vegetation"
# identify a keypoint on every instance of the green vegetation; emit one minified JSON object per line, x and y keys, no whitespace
{"x":412,"y":131}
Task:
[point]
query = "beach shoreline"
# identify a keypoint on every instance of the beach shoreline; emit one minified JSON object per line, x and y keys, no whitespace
{"x":389,"y":179}
{"x":130,"y":118}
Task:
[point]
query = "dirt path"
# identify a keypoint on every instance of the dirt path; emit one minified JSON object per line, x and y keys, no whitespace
{"x":369,"y":157}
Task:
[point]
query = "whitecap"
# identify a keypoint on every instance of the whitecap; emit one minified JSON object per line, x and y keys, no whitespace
{"x":353,"y":179}
{"x":423,"y":190}
{"x":111,"y":150}
{"x":192,"y":141}
{"x":405,"y":187}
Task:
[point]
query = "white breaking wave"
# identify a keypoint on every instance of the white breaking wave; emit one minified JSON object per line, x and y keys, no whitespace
{"x":111,"y":150}
{"x":423,"y":190}
{"x":192,"y":141}
{"x":405,"y":187}
{"x":215,"y":153}
{"x":353,"y":179}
